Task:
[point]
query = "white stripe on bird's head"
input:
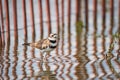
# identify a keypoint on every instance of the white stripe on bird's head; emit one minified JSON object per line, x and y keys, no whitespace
{"x":53,"y":36}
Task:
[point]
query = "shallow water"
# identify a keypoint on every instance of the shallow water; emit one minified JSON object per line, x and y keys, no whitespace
{"x":80,"y":55}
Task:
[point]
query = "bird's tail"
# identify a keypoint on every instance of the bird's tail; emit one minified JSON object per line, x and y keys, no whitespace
{"x":28,"y":44}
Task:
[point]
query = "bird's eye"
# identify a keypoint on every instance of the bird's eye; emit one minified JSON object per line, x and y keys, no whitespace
{"x":52,"y":35}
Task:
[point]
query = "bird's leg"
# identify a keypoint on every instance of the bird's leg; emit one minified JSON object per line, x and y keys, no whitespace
{"x":46,"y":56}
{"x":42,"y":56}
{"x":45,"y":59}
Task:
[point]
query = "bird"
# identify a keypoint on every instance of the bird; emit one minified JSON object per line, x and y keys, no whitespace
{"x":45,"y":45}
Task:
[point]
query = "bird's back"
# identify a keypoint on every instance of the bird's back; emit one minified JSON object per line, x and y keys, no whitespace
{"x":45,"y":45}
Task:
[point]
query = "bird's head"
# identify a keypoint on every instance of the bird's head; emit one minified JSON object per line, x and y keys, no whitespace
{"x":53,"y":36}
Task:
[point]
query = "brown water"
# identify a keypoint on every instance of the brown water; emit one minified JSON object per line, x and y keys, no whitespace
{"x":81,"y":53}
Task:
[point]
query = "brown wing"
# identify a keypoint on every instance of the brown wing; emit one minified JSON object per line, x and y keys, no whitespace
{"x":45,"y":44}
{"x":41,"y":44}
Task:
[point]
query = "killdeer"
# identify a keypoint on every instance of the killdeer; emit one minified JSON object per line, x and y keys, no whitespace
{"x":45,"y":45}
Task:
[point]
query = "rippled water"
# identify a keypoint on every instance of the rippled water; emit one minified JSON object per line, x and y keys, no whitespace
{"x":83,"y":53}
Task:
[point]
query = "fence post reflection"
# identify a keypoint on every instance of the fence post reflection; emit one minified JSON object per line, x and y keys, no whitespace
{"x":7,"y":19}
{"x":14,"y":3}
{"x":41,"y":21}
{"x":2,"y":23}
{"x":0,"y":40}
{"x":77,"y":27}
{"x":78,"y":10}
{"x":32,"y":18}
{"x":119,"y":16}
{"x":15,"y":59}
{"x":78,"y":34}
{"x":103,"y":13}
{"x":111,"y":22}
{"x":69,"y":14}
{"x":94,"y":53}
{"x":24,"y":17}
{"x":57,"y":15}
{"x":32,"y":51}
{"x":7,"y":59}
{"x":57,"y":18}
{"x":62,"y":22}
{"x":62,"y":12}
{"x":102,"y":57}
{"x":80,"y":55}
{"x":95,"y":28}
{"x":69,"y":27}
{"x":109,"y":55}
{"x":111,"y":14}
{"x":48,"y":16}
{"x":25,"y":57}
{"x":41,"y":18}
{"x":86,"y":14}
{"x":103,"y":38}
{"x":85,"y":51}
{"x":119,"y":29}
{"x":1,"y":61}
{"x":95,"y":14}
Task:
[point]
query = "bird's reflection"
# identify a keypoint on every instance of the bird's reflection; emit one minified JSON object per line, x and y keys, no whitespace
{"x":45,"y":73}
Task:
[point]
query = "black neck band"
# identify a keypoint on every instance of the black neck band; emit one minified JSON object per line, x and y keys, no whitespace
{"x":53,"y":41}
{"x":52,"y":46}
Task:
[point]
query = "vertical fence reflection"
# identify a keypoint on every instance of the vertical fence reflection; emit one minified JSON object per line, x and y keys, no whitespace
{"x":6,"y":4}
{"x":23,"y":68}
{"x":86,"y":13}
{"x":119,"y":27}
{"x":24,"y":17}
{"x":48,"y":16}
{"x":15,"y":59}
{"x":32,"y":18}
{"x":15,"y":18}
{"x":1,"y":63}
{"x":6,"y":54}
{"x":103,"y":12}
{"x":57,"y":19}
{"x":41,"y":17}
{"x":2,"y":24}
{"x":119,"y":15}
{"x":69,"y":26}
{"x":95,"y":14}
{"x":14,"y":73}
{"x":1,"y":38}
{"x":111,"y":14}
{"x":62,"y":22}
{"x":6,"y":63}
